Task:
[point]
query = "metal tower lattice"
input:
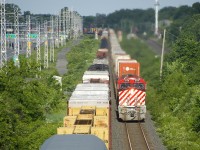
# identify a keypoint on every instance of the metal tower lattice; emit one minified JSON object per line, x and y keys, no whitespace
{"x":16,"y":45}
{"x":3,"y":35}
{"x":28,"y":39}
{"x":52,"y":40}
{"x":156,"y":17}
{"x":67,"y":22}
{"x":46,"y":51}
{"x":60,"y":29}
{"x":64,"y":24}
{"x":57,"y":31}
{"x":38,"y":46}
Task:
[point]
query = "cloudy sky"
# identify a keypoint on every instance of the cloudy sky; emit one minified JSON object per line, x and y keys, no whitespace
{"x":91,"y":7}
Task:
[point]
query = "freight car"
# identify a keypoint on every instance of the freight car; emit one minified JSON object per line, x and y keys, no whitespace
{"x":130,"y":87}
{"x":88,"y":110}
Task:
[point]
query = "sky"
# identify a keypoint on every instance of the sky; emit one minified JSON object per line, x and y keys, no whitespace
{"x":91,"y":7}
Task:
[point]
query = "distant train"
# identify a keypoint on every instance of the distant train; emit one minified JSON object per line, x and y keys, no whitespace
{"x":130,"y":87}
{"x":92,"y":30}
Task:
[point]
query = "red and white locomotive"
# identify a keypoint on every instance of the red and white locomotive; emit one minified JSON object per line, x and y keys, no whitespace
{"x":131,"y":88}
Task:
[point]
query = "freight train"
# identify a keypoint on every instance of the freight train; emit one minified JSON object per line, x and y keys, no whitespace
{"x":130,"y":87}
{"x":88,"y":111}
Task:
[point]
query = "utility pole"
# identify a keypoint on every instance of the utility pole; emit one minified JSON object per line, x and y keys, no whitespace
{"x":46,"y":63}
{"x":156,"y":16}
{"x":28,"y":39}
{"x":3,"y":35}
{"x":162,"y":54}
{"x":38,"y":46}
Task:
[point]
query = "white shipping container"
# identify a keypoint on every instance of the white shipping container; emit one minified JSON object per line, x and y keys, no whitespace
{"x":92,"y":85}
{"x":103,"y":76}
{"x":100,"y":61}
{"x":120,"y":57}
{"x":88,"y":97}
{"x":76,"y":92}
{"x":96,"y":73}
{"x":80,"y":103}
{"x":88,"y":100}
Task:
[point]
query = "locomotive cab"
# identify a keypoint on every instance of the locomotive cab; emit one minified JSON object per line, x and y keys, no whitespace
{"x":131,"y":93}
{"x":131,"y":81}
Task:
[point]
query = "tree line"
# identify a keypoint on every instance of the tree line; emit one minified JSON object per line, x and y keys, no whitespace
{"x":140,"y":20}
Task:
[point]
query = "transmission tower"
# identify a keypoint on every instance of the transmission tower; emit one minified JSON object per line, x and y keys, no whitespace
{"x":64,"y":24}
{"x":3,"y":35}
{"x":46,"y":65}
{"x":38,"y":46}
{"x":67,"y":22}
{"x":52,"y":40}
{"x":71,"y":23}
{"x":57,"y":31}
{"x":60,"y":28}
{"x":28,"y":39}
{"x":16,"y":45}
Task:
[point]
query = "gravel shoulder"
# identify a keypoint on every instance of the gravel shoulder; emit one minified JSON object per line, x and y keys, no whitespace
{"x":156,"y":47}
{"x":61,"y":64}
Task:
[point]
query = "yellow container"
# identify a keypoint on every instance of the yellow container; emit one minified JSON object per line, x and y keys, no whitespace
{"x":101,"y":132}
{"x":102,"y":111}
{"x":101,"y":121}
{"x":69,"y":121}
{"x":82,"y":129}
{"x":65,"y":130}
{"x":73,"y":111}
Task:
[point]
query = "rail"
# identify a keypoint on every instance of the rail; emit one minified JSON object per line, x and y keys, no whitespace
{"x":136,"y":136}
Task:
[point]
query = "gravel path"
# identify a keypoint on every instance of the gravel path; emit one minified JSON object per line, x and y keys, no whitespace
{"x":61,"y":64}
{"x":156,"y":47}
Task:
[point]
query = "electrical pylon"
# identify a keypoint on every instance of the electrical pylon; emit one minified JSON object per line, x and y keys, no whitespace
{"x":16,"y":44}
{"x":46,"y":51}
{"x":38,"y":46}
{"x":52,"y":40}
{"x":3,"y":35}
{"x":28,"y":39}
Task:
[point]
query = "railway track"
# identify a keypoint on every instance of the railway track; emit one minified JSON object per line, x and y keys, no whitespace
{"x":133,"y":135}
{"x":136,"y":137}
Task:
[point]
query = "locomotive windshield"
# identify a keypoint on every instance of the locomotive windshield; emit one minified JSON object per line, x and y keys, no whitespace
{"x":139,"y":86}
